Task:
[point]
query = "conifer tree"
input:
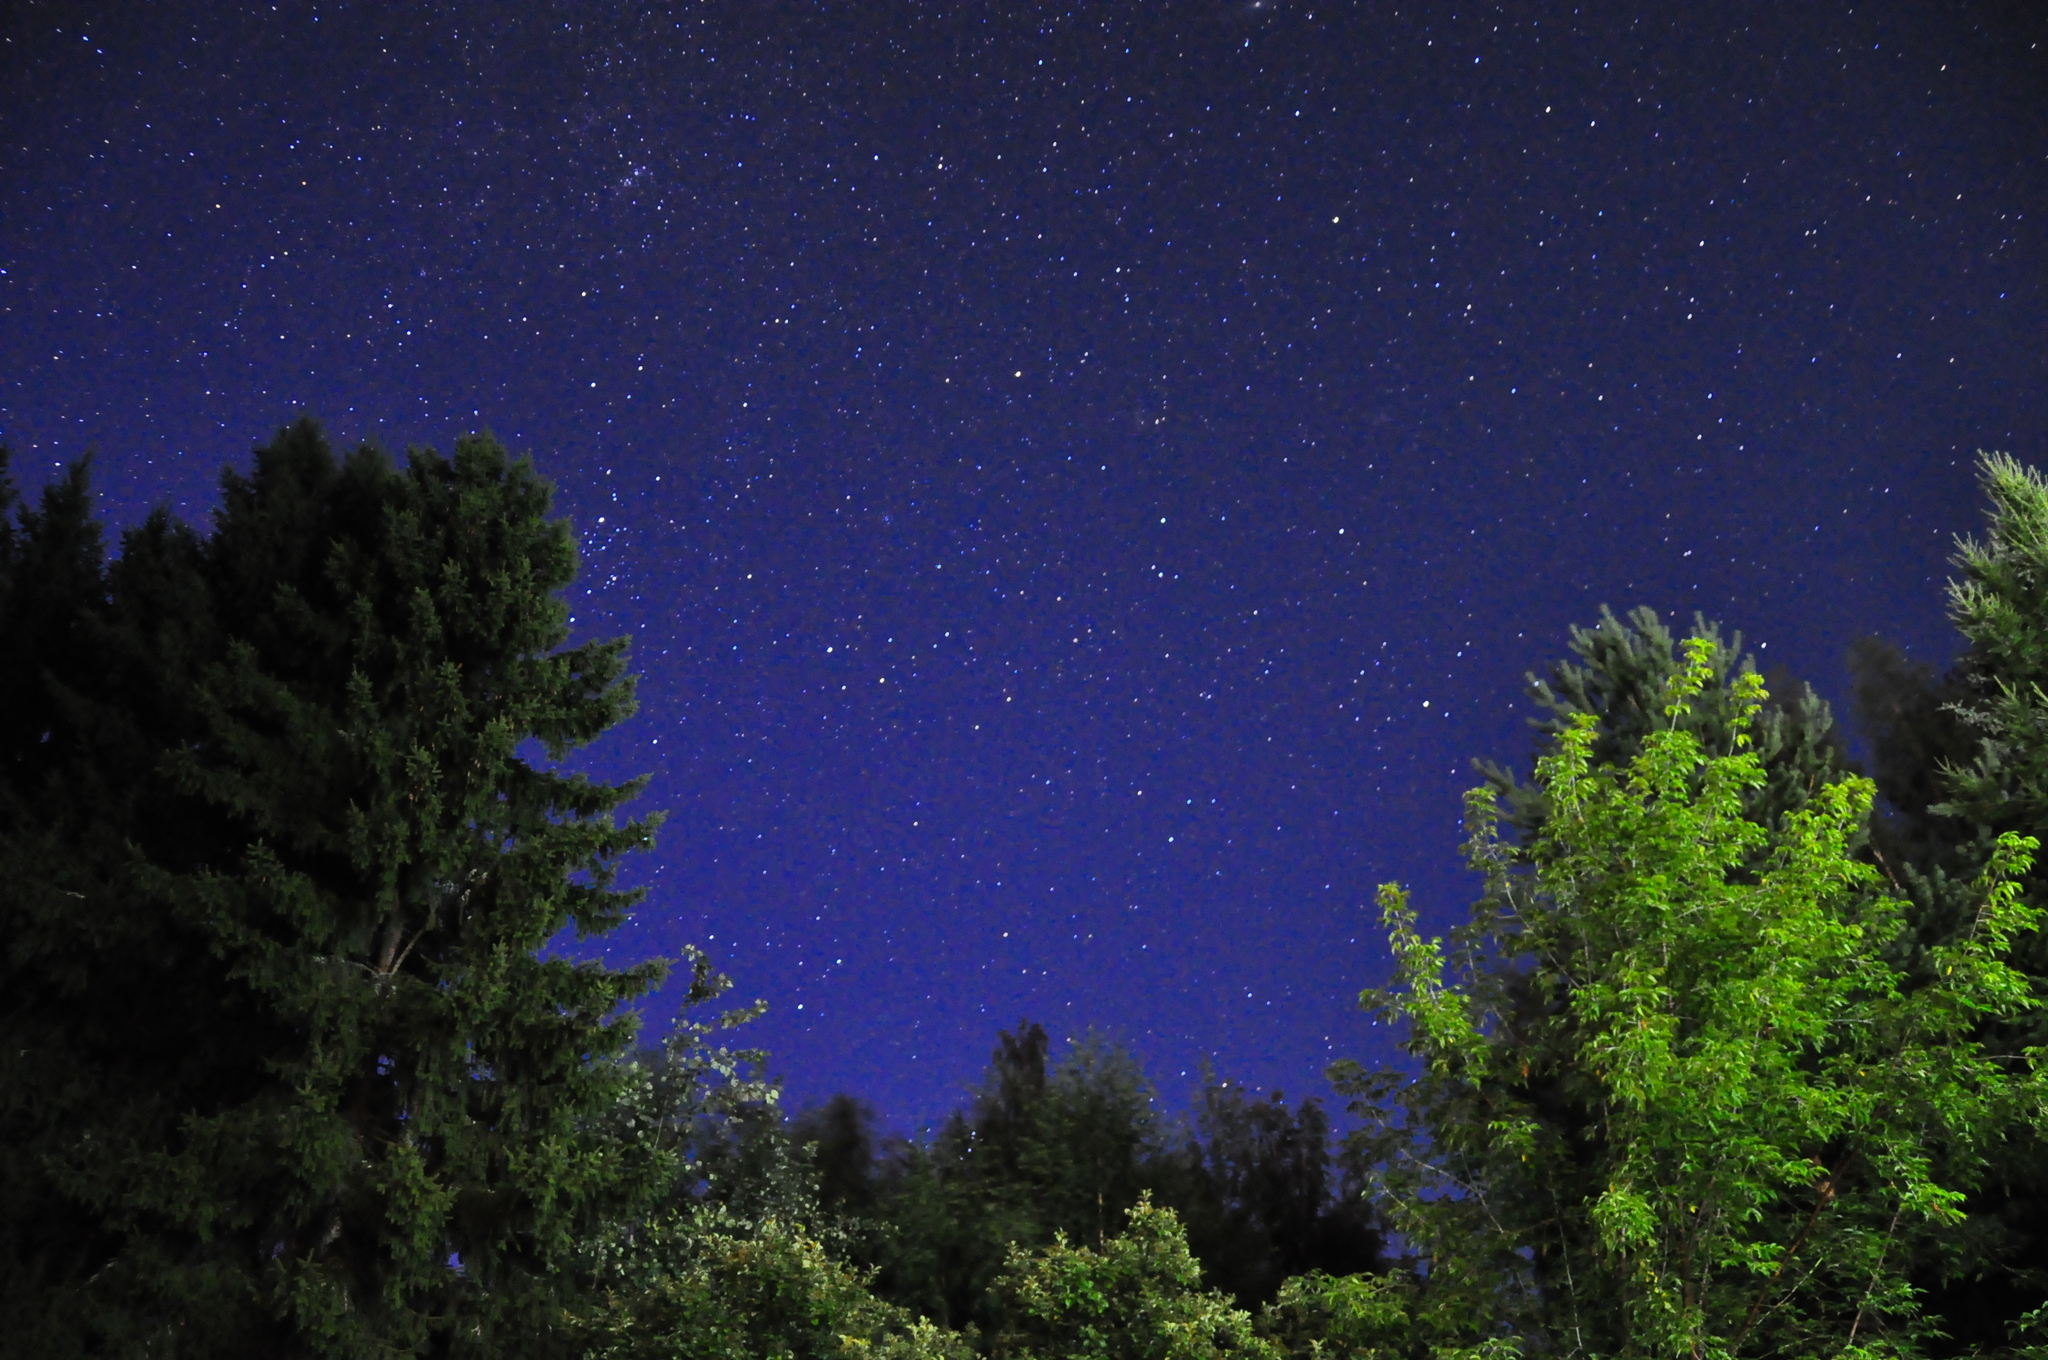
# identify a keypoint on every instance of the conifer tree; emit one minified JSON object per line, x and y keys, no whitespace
{"x":1960,"y":759}
{"x":285,"y":1057}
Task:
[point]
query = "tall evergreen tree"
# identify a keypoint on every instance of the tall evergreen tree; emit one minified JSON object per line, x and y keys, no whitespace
{"x":285,"y":1061}
{"x":1961,"y":758}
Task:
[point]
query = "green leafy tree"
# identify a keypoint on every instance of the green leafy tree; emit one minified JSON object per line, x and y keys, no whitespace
{"x":1320,"y":1316}
{"x":1137,"y":1296}
{"x":1770,"y":1096}
{"x":284,"y":1052}
{"x":738,"y":1257}
{"x":1615,"y":683}
{"x":704,"y":1286}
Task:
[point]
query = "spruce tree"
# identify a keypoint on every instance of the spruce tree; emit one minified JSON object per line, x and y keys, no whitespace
{"x":1961,"y":758}
{"x":288,"y":1063}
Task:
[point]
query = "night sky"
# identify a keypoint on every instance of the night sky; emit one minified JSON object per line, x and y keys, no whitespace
{"x":1083,"y":484}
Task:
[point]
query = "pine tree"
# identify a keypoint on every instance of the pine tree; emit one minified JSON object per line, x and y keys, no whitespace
{"x":286,"y":1053}
{"x":1960,"y":759}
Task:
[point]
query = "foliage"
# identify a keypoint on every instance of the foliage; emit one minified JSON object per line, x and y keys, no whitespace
{"x":1722,"y":1064}
{"x":1040,"y":1151}
{"x":1318,"y":1316}
{"x":2001,"y":607}
{"x":1136,"y":1297}
{"x":285,"y":1067}
{"x":1617,"y":682}
{"x":1718,"y":992}
{"x":1070,"y":1149}
{"x":704,"y":1286}
{"x":1622,"y":670}
{"x":675,"y":1098}
{"x":1255,"y":1186}
{"x":840,"y":1137}
{"x":1960,"y":761}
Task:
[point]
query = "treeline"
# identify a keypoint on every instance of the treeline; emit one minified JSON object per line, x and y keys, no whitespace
{"x":1738,"y":1053}
{"x":1051,"y":1149}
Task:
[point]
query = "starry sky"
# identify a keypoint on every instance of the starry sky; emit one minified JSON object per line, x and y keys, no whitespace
{"x":1083,"y":483}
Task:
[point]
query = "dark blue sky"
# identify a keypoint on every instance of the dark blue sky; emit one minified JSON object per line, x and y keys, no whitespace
{"x":1083,"y":483}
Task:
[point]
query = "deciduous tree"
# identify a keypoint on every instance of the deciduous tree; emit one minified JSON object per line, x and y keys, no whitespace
{"x":1772,"y":1102}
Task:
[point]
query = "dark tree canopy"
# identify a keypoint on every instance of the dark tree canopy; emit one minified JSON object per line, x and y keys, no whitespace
{"x":284,"y":1068}
{"x":1263,"y":1198}
{"x":1959,"y":758}
{"x":1069,"y":1147}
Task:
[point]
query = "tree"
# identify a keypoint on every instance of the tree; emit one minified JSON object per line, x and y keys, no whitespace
{"x":2001,"y":608}
{"x":1319,"y":1316}
{"x":841,"y":1136}
{"x":1069,"y":1149}
{"x":284,"y":1053}
{"x":1769,"y":1095}
{"x":1260,"y":1198}
{"x":703,"y":1287}
{"x":1615,"y":681}
{"x":1040,"y":1151}
{"x":1621,"y":671}
{"x":1137,"y":1296}
{"x":1959,"y":760}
